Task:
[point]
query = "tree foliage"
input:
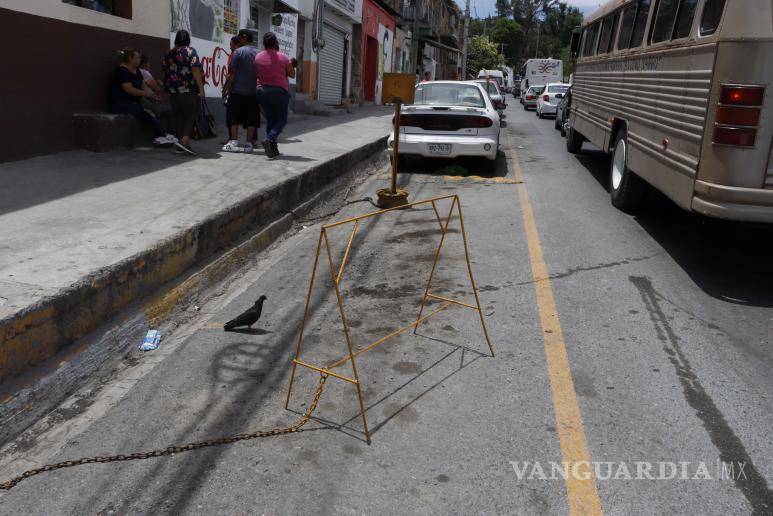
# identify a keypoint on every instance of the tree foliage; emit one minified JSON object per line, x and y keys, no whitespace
{"x":524,"y":29}
{"x":482,"y":54}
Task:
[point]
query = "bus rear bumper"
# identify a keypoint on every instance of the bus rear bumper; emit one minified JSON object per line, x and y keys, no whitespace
{"x":733,"y":202}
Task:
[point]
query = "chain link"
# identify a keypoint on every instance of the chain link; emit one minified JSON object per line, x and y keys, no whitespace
{"x":171,"y":450}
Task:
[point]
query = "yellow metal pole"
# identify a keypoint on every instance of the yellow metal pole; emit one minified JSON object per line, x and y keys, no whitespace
{"x":346,"y":334}
{"x":434,"y":263}
{"x":305,"y":315}
{"x":472,"y":279}
{"x":395,"y":147}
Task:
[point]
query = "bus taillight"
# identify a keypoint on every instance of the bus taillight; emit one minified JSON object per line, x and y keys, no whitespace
{"x":731,"y":115}
{"x":742,"y":95}
{"x":738,"y":114}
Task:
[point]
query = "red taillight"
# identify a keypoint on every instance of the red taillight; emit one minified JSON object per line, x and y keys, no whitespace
{"x":478,"y":121}
{"x":734,"y":136}
{"x":408,"y":121}
{"x":546,"y":98}
{"x":742,"y":95}
{"x":730,"y":115}
{"x":738,"y":112}
{"x":529,"y":97}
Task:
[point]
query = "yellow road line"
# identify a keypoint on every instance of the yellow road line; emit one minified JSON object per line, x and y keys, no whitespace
{"x":581,"y":489}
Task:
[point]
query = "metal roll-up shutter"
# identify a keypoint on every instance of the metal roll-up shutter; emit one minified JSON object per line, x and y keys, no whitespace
{"x":331,"y":66}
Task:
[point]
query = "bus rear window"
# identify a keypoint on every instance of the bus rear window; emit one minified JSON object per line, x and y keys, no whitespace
{"x":641,"y":22}
{"x":684,"y":18}
{"x":664,"y":20}
{"x":712,"y":13}
{"x":626,"y":27}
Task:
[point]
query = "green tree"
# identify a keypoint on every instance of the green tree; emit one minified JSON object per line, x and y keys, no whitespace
{"x":508,"y":36}
{"x":482,"y":54}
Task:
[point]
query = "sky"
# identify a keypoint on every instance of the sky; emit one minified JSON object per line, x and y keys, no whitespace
{"x":487,"y":7}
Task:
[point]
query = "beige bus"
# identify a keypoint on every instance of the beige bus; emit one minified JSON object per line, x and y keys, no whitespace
{"x":677,"y":91}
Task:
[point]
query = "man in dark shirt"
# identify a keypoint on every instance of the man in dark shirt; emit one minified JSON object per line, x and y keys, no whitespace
{"x":242,"y":103}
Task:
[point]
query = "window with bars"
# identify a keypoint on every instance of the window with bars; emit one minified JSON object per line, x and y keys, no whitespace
{"x":122,"y":8}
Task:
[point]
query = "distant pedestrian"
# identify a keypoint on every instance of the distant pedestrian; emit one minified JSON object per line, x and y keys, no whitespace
{"x":427,"y":77}
{"x":126,"y":90}
{"x":273,"y":89}
{"x":184,"y":82}
{"x":242,"y":108}
{"x":234,"y":44}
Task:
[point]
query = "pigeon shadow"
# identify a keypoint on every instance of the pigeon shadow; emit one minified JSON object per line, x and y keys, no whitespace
{"x":249,"y":331}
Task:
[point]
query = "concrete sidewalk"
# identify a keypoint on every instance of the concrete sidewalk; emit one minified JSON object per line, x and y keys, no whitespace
{"x":84,"y":234}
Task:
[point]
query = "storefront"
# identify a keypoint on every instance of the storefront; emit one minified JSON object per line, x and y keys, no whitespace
{"x":334,"y":58}
{"x":378,"y":40}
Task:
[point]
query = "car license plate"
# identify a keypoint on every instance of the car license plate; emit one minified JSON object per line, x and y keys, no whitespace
{"x":439,"y":148}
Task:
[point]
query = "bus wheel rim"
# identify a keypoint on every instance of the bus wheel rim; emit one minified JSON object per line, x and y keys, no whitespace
{"x":618,"y":164}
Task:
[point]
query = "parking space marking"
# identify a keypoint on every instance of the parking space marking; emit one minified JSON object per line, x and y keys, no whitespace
{"x":582,"y":491}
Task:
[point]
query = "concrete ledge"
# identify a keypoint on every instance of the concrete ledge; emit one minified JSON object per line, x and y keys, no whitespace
{"x":102,"y":132}
{"x":33,"y":334}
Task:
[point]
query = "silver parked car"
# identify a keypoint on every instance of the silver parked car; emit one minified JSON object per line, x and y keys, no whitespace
{"x":530,"y":97}
{"x":449,"y":119}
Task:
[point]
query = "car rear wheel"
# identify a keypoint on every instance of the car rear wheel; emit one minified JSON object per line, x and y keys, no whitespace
{"x":627,"y":190}
{"x":573,"y":141}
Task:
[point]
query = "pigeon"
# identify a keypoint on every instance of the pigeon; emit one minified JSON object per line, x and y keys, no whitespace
{"x":248,"y":318}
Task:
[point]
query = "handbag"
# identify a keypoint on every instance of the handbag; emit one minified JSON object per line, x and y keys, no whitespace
{"x":205,"y":123}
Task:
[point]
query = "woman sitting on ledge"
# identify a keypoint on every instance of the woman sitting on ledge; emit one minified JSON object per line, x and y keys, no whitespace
{"x":126,"y":91}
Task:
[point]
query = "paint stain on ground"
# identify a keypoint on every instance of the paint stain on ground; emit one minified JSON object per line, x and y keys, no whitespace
{"x":442,"y":478}
{"x":405,"y":367}
{"x":352,"y":450}
{"x":402,"y":414}
{"x":448,"y":327}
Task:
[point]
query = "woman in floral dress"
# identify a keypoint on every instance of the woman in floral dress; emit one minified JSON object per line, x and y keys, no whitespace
{"x":184,"y":82}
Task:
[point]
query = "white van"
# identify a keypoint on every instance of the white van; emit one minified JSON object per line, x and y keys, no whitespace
{"x":494,"y":75}
{"x":539,"y":72}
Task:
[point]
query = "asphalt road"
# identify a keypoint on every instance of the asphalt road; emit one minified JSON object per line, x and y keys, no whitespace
{"x":647,"y":340}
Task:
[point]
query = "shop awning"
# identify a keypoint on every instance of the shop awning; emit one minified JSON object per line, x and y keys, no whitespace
{"x":440,"y":45}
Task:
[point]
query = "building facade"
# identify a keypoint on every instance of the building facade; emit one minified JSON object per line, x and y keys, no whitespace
{"x":78,"y":46}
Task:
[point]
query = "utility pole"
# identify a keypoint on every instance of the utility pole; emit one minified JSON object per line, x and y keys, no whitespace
{"x":539,"y":29}
{"x":464,"y":41}
{"x":415,"y":38}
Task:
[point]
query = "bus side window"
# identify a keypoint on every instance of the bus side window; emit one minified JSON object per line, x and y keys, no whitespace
{"x":641,"y":22}
{"x":712,"y":13}
{"x":665,"y":15}
{"x":604,"y":38}
{"x":684,"y":18}
{"x":626,"y":27}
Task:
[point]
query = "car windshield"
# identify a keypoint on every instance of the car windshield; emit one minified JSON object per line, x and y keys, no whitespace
{"x":557,"y":89}
{"x":445,"y":94}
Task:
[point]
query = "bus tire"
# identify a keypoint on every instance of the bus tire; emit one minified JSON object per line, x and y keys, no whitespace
{"x":626,"y":189}
{"x":573,"y":141}
{"x":556,"y":122}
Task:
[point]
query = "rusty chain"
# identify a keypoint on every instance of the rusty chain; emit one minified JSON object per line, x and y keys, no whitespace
{"x":171,"y":450}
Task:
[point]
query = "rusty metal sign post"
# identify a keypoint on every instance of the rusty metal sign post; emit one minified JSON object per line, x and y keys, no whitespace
{"x":337,"y":275}
{"x":398,"y":89}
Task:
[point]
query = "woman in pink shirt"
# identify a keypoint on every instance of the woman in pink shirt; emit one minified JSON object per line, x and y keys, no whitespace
{"x":273,"y":68}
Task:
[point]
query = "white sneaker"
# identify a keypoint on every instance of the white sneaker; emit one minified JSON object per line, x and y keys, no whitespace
{"x":248,"y":147}
{"x":232,"y":146}
{"x":161,"y":140}
{"x":171,"y":138}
